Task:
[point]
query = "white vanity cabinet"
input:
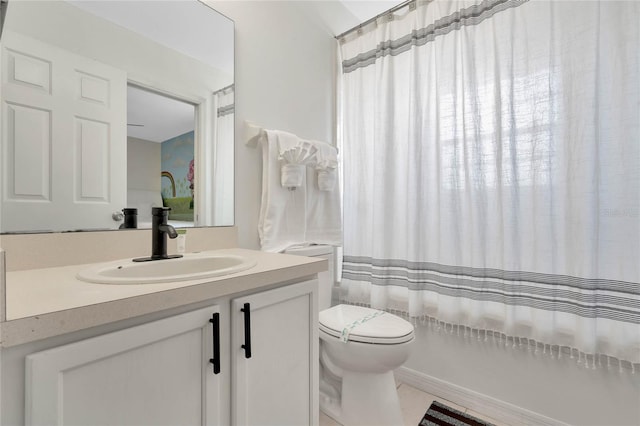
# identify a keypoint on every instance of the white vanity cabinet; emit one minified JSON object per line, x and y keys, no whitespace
{"x":160,"y":372}
{"x":274,"y":341}
{"x":155,"y":374}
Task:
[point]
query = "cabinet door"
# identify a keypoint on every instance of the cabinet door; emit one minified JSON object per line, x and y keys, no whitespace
{"x":278,"y":384}
{"x":154,"y":374}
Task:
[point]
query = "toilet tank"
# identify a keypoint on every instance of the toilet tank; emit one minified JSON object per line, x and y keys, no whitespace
{"x":325,"y":279}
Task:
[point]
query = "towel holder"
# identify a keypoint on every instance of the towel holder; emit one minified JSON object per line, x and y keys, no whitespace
{"x":252,"y":134}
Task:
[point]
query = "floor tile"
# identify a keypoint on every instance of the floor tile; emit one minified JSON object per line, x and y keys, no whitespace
{"x":413,"y":403}
{"x":451,"y":404}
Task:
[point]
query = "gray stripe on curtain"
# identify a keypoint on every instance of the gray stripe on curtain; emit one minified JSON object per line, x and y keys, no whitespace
{"x":604,"y":298}
{"x":472,"y":15}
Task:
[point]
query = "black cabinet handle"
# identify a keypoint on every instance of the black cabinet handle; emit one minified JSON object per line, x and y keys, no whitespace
{"x":215,"y":320}
{"x":247,"y":330}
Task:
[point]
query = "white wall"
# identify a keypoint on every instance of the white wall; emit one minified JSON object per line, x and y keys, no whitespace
{"x":143,"y":164}
{"x":284,"y":80}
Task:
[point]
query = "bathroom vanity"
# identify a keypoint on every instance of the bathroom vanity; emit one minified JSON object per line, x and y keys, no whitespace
{"x":236,"y":349}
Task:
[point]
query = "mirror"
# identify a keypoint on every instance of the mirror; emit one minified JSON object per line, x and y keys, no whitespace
{"x":160,"y":157}
{"x":87,"y":86}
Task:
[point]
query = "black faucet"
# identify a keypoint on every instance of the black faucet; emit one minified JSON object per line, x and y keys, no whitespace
{"x":160,"y":229}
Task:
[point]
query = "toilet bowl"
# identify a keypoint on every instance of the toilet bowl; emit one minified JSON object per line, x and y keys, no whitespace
{"x":359,"y":349}
{"x":365,"y":360}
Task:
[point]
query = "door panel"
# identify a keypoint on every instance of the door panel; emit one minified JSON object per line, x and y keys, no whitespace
{"x":28,"y":143}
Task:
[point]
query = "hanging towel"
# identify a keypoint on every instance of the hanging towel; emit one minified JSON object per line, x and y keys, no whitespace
{"x":282,"y":219}
{"x":294,"y":156}
{"x":324,"y":210}
{"x":293,"y":218}
{"x":326,"y":165}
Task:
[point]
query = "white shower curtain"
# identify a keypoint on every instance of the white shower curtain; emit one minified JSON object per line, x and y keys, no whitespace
{"x":223,"y":199}
{"x":492,"y":170}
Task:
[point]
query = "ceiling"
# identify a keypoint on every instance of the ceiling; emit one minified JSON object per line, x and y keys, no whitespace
{"x":364,"y":10}
{"x":157,"y":118}
{"x":338,"y":16}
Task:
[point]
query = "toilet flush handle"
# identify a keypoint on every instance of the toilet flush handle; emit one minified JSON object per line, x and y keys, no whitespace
{"x":247,"y":330}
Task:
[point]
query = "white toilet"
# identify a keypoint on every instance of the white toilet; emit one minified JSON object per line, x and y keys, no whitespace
{"x":359,"y":349}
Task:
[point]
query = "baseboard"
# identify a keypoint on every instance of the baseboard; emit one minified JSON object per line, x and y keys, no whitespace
{"x":501,"y":411}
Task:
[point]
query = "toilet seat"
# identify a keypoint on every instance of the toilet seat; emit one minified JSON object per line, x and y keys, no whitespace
{"x":381,"y":329}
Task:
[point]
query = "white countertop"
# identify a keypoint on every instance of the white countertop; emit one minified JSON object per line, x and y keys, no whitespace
{"x":42,"y":303}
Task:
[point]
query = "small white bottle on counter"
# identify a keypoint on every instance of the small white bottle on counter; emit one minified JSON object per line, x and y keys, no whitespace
{"x":181,"y":241}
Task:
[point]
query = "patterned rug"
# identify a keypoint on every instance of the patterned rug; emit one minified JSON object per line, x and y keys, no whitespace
{"x":439,"y":414}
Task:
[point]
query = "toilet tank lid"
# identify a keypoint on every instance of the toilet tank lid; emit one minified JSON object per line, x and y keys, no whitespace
{"x":311,"y":251}
{"x":349,"y":317}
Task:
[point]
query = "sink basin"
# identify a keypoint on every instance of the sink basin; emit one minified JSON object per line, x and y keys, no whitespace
{"x":192,"y":266}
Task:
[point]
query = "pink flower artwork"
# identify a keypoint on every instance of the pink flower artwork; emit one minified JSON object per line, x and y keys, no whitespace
{"x":190,"y":173}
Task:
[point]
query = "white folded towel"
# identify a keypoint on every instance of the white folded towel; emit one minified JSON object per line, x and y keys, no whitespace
{"x":294,"y":156}
{"x":292,"y":175}
{"x":326,"y":165}
{"x":326,"y":179}
{"x":302,"y":153}
{"x":301,"y":217}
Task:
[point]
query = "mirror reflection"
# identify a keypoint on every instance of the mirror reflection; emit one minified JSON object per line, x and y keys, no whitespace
{"x":160,"y":156}
{"x":112,"y":105}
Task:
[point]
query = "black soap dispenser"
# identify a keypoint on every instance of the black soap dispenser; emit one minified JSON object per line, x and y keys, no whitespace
{"x":130,"y":219}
